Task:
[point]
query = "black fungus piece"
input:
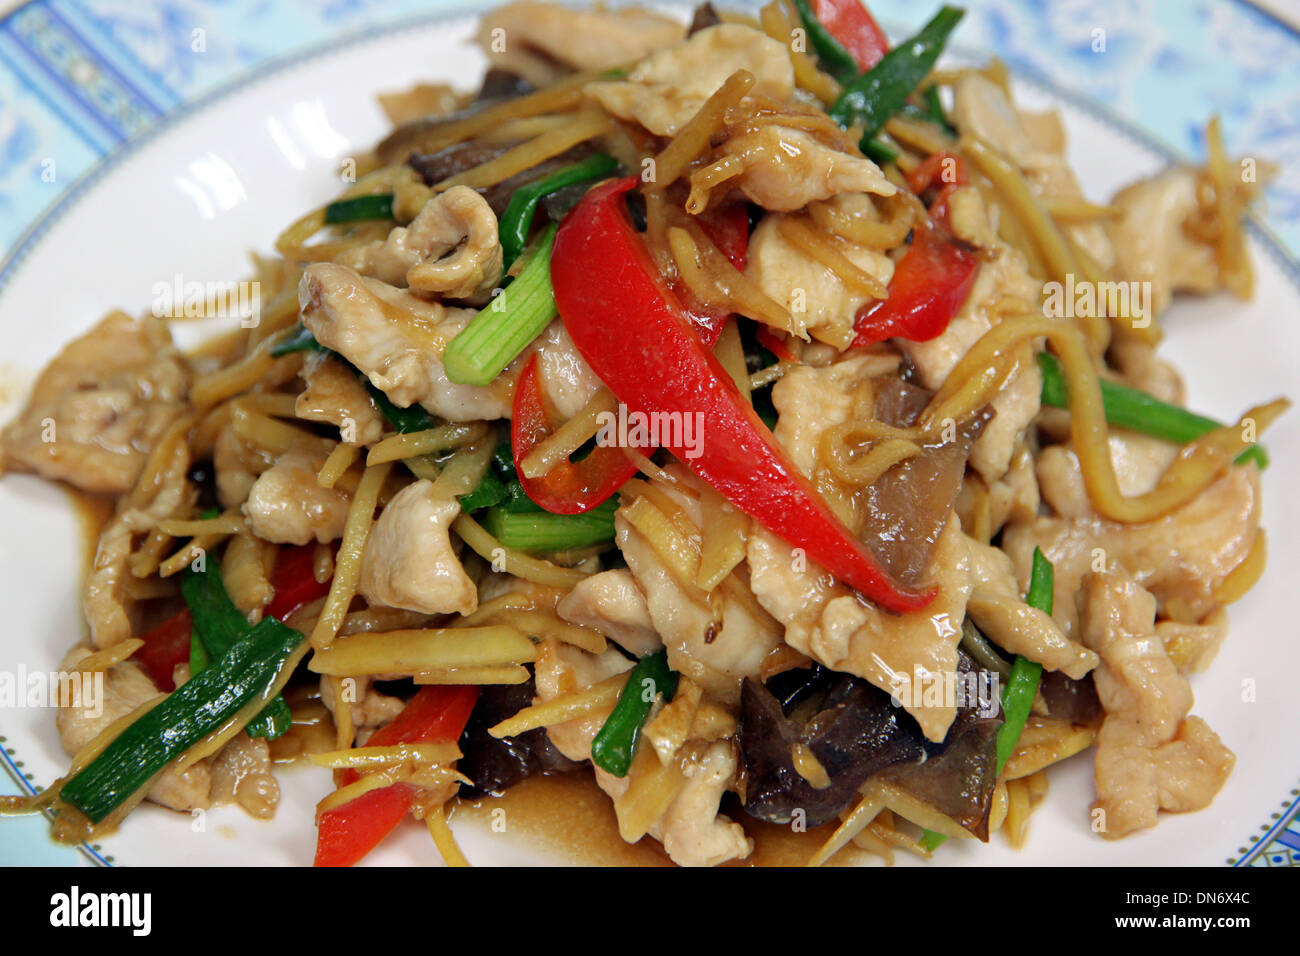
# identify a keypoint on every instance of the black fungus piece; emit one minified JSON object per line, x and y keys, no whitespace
{"x":856,"y":733}
{"x":958,"y":776}
{"x":436,"y":167}
{"x":499,"y":84}
{"x":492,"y":764}
{"x":703,"y":18}
{"x":909,"y":506}
{"x":1069,"y":699}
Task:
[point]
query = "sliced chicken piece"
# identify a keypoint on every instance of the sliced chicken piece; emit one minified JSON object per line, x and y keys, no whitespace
{"x":542,"y":41}
{"x":1135,"y":782}
{"x":1035,"y":142}
{"x":452,"y":249}
{"x":370,"y":709}
{"x":1014,"y":407}
{"x":409,"y":561}
{"x":611,"y":603}
{"x":1150,"y":754}
{"x":105,"y":600}
{"x":1139,"y":461}
{"x":397,"y":339}
{"x":786,"y":169}
{"x":669,"y":87}
{"x":287,"y":505}
{"x":718,"y":646}
{"x":567,"y":380}
{"x":336,"y":396}
{"x":1145,"y":370}
{"x":1181,"y":558}
{"x":1015,"y":496}
{"x":92,"y":708}
{"x":692,"y":831}
{"x":823,"y":618}
{"x":241,"y":774}
{"x":999,"y":611}
{"x":818,"y":300}
{"x":564,"y":669}
{"x":1193,"y":646}
{"x":98,"y":408}
{"x":829,"y":623}
{"x":1151,"y":238}
{"x":1138,"y":682}
{"x":237,"y":465}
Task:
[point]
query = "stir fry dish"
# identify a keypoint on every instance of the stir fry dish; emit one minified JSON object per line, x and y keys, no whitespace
{"x":751,"y":416}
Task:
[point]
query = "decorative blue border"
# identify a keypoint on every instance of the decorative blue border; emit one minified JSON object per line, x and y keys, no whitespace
{"x":87,"y":83}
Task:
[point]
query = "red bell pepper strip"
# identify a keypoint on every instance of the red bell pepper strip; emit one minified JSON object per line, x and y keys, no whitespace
{"x":934,"y":276}
{"x":575,"y":487}
{"x":166,"y":646}
{"x":571,"y":487}
{"x":346,"y":834}
{"x":775,"y":344}
{"x":942,"y":171}
{"x":850,"y":22}
{"x":630,"y":328}
{"x":930,"y":284}
{"x":294,"y":581}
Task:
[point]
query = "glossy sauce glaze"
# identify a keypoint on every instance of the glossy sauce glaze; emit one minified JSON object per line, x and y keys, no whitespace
{"x":565,"y":817}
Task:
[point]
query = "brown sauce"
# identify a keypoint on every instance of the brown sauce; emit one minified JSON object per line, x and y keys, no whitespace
{"x":93,"y":512}
{"x":567,"y":817}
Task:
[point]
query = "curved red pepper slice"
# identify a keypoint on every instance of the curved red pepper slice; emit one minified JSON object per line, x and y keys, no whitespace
{"x":346,"y":834}
{"x":850,"y":22}
{"x":166,"y":646}
{"x":570,"y":487}
{"x":293,"y":582}
{"x":935,"y":275}
{"x":630,"y":328}
{"x":930,"y":284}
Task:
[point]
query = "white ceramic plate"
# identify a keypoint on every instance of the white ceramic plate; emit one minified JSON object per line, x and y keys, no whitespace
{"x":226,"y":176}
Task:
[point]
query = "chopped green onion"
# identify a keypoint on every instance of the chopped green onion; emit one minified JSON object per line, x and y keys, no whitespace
{"x":378,"y":206}
{"x":491,"y":490}
{"x":1018,"y":697}
{"x":879,"y":151}
{"x":835,"y":60}
{"x":1129,"y":408}
{"x":411,"y":419}
{"x":877,"y":94}
{"x":219,"y":626}
{"x":505,"y":326}
{"x":614,"y":745}
{"x":299,"y":340}
{"x":934,"y":108}
{"x":517,"y":220}
{"x":201,"y":706}
{"x":540,"y":530}
{"x":931,"y":841}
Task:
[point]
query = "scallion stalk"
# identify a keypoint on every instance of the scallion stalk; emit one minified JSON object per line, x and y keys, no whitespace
{"x":377,"y":206}
{"x":517,"y":220}
{"x":504,"y":327}
{"x":614,"y":745}
{"x":1137,"y":411}
{"x":874,"y":96}
{"x":543,"y":531}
